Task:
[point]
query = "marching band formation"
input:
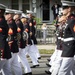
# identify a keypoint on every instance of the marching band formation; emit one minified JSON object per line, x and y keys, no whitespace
{"x":17,"y":39}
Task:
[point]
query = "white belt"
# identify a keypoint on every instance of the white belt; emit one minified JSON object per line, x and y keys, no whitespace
{"x":62,"y":39}
{"x":59,"y":37}
{"x":67,"y":39}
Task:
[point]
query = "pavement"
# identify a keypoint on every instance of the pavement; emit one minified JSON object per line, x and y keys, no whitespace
{"x":40,"y":70}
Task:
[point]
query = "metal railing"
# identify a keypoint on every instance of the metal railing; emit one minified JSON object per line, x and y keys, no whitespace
{"x":46,"y":36}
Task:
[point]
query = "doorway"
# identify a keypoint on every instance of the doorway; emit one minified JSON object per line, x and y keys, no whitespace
{"x":46,"y":10}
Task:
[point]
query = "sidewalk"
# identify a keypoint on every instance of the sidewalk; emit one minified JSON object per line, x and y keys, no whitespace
{"x":47,"y":47}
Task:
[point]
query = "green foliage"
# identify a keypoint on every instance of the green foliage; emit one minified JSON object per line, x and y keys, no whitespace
{"x":53,"y":22}
{"x":38,"y":20}
{"x":44,"y":51}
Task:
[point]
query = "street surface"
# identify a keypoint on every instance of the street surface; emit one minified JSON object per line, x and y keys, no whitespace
{"x":42,"y":62}
{"x":41,"y":69}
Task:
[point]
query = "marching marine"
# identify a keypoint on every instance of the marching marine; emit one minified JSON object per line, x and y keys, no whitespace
{"x":12,"y":38}
{"x":5,"y":53}
{"x":32,"y":30}
{"x":22,"y":41}
{"x":33,"y":33}
{"x":68,"y":39}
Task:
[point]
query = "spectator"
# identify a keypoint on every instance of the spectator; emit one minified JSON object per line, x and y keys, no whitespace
{"x":44,"y":29}
{"x":55,"y":9}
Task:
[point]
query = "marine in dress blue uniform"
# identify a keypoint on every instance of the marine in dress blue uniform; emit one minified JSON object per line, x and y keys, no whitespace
{"x":31,"y":27}
{"x":5,"y":53}
{"x":28,"y":50}
{"x":15,"y":65}
{"x":20,"y":29}
{"x":58,"y":59}
{"x":68,"y":39}
{"x":32,"y":32}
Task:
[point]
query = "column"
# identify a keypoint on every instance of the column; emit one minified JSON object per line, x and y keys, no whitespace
{"x":20,"y":4}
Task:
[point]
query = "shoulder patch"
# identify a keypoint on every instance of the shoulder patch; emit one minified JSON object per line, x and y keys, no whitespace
{"x":0,"y":29}
{"x":10,"y":31}
{"x":18,"y":29}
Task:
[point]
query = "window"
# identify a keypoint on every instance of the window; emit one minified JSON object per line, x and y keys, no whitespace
{"x":15,"y":4}
{"x":46,"y":10}
{"x":25,"y":5}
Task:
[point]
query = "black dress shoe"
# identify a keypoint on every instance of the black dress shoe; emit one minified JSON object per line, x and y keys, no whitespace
{"x":48,"y":72}
{"x":48,"y":65}
{"x":48,"y":60}
{"x":30,"y":73}
{"x":34,"y":66}
{"x":38,"y":65}
{"x":30,"y":61}
{"x":39,"y":58}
